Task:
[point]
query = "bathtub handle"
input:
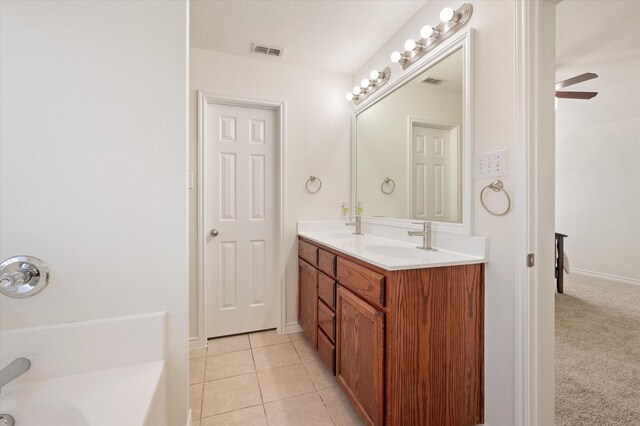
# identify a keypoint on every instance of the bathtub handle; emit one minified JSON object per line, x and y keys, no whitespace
{"x":23,"y":276}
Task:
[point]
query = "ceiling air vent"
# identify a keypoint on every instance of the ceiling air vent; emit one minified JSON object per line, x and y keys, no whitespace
{"x":266,"y":50}
{"x":432,"y":80}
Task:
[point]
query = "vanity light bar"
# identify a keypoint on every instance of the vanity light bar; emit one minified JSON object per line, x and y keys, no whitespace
{"x":369,"y":85}
{"x":451,"y":21}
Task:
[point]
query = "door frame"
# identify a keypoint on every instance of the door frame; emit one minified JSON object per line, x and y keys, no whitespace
{"x":454,"y":129}
{"x":534,"y":212}
{"x":205,"y":99}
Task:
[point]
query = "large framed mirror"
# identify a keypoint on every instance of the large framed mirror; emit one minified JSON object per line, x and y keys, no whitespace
{"x":412,"y":144}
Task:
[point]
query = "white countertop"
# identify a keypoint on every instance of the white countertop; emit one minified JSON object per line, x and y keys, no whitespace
{"x":387,"y":253}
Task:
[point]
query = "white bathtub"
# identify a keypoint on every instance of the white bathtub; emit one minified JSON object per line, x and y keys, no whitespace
{"x":128,"y":396}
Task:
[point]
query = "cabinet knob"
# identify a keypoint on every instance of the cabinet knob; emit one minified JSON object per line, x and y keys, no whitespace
{"x":214,"y":232}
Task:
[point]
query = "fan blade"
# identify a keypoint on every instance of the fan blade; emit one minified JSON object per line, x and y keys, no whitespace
{"x":576,"y":95}
{"x":575,"y":80}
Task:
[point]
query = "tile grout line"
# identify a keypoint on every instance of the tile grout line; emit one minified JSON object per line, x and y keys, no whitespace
{"x":271,"y":344}
{"x":309,"y":374}
{"x":203,"y":380}
{"x":257,"y":380}
{"x":264,"y":409}
{"x":231,"y":411}
{"x":294,"y":396}
{"x":263,"y":404}
{"x":327,"y":408}
{"x":229,"y":352}
{"x":304,"y":364}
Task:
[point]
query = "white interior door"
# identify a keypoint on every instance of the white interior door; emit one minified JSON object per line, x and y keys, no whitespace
{"x":240,"y":206}
{"x":430,"y":173}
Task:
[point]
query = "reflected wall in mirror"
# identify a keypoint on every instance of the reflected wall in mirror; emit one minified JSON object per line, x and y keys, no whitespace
{"x":409,"y":147}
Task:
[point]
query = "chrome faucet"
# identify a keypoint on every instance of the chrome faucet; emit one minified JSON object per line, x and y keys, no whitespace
{"x":7,"y":420}
{"x":357,"y":224}
{"x":14,"y":369}
{"x":425,"y":234}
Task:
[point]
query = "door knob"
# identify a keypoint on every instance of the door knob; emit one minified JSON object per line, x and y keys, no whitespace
{"x":214,"y":232}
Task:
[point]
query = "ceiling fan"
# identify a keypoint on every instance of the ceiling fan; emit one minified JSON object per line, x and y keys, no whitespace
{"x":575,"y":80}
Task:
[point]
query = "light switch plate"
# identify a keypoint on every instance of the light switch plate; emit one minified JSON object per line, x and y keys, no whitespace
{"x":491,"y":164}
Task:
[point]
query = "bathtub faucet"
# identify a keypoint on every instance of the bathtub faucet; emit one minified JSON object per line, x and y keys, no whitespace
{"x":14,"y":369}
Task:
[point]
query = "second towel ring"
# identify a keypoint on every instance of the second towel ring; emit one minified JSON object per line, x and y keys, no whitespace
{"x":386,"y":182}
{"x":496,"y":186}
{"x":311,"y":180}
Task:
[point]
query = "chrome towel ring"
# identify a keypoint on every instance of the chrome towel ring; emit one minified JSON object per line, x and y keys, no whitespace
{"x":496,"y":186}
{"x":312,"y":179}
{"x":388,"y":181}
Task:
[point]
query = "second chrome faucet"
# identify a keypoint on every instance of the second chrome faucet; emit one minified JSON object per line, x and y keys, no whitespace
{"x":357,"y":224}
{"x":425,"y":234}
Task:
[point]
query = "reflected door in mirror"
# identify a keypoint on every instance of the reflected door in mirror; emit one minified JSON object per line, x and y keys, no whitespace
{"x":434,"y":172}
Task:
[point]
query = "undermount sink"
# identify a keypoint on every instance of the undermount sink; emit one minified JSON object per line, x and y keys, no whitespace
{"x":396,"y":251}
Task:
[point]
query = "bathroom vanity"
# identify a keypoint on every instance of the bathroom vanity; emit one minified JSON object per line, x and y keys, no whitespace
{"x":401,"y":330}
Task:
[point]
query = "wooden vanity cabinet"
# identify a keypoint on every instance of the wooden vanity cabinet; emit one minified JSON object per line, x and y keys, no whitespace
{"x":360,"y":355}
{"x":307,"y":301}
{"x":407,"y":346}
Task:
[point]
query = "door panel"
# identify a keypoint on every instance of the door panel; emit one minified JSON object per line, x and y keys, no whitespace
{"x":239,"y":201}
{"x":429,"y":173}
{"x":360,"y":349}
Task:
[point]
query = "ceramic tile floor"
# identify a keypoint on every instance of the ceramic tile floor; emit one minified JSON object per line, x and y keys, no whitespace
{"x":264,"y":378}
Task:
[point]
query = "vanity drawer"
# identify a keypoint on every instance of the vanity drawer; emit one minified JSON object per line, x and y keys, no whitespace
{"x":327,"y":320}
{"x":327,"y":290}
{"x":362,"y":281}
{"x":308,"y":252}
{"x":327,"y":352}
{"x":327,"y":262}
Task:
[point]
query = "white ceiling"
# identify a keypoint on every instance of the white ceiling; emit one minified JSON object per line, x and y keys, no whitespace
{"x":600,"y":37}
{"x":450,"y":70}
{"x":332,"y":35}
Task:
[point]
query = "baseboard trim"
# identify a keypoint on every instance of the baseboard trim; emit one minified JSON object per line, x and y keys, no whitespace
{"x":615,"y":278}
{"x":291,"y":327}
{"x":195,"y":343}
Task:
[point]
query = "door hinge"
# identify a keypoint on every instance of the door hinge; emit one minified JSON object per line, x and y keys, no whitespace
{"x":531,"y":260}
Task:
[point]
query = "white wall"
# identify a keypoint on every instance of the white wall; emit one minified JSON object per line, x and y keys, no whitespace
{"x":494,"y":127}
{"x":383,"y":147}
{"x":93,"y":163}
{"x":317,"y":138}
{"x":598,"y":141}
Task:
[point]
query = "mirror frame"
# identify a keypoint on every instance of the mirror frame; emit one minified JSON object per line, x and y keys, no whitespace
{"x":463,"y":39}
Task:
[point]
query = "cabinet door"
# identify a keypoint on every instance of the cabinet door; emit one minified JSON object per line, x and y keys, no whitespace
{"x":360,"y":349}
{"x":308,"y":301}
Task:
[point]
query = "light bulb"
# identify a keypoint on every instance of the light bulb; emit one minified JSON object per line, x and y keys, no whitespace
{"x":364,"y":83}
{"x":374,"y":75}
{"x":427,"y":31}
{"x":396,"y":56}
{"x":349,"y":96}
{"x":356,"y":90}
{"x":410,"y":44}
{"x":447,"y":14}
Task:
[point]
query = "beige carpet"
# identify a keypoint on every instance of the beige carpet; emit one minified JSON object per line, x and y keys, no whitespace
{"x":597,"y":353}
